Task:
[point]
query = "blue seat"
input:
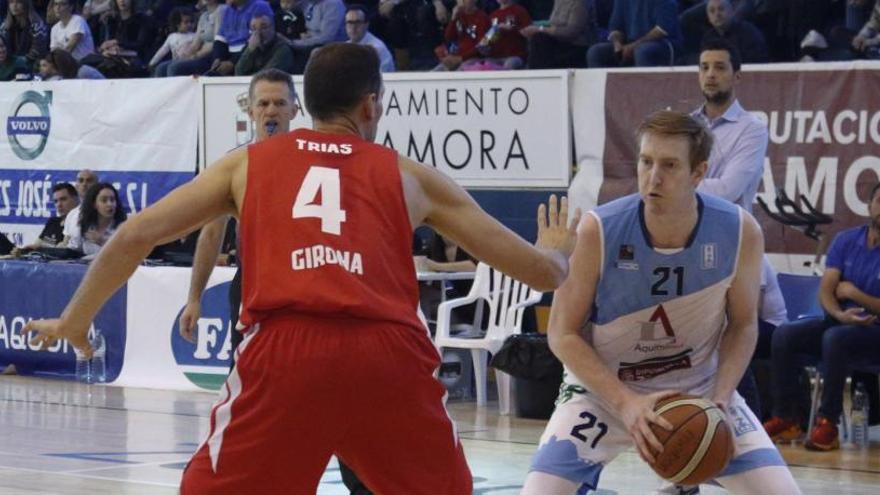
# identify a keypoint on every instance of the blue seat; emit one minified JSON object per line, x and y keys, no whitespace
{"x":801,"y":295}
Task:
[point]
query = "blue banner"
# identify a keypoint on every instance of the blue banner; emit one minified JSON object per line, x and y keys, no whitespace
{"x":34,"y":290}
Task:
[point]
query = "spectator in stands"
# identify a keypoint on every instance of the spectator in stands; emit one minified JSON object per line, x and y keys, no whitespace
{"x":325,"y":23}
{"x":85,"y":179}
{"x":695,"y":21}
{"x":126,"y":32}
{"x":25,"y":32}
{"x":357,"y":27}
{"x":643,"y":33}
{"x":848,"y":335}
{"x":736,"y":163}
{"x":11,"y":65}
{"x":867,"y":41}
{"x":70,"y":33}
{"x":101,"y":214}
{"x":179,"y":43}
{"x":413,"y":29}
{"x":468,"y":26}
{"x":97,"y":12}
{"x":197,"y":57}
{"x":265,"y":50}
{"x":290,"y":22}
{"x":58,"y":65}
{"x":65,"y":198}
{"x":741,"y":34}
{"x":503,"y":45}
{"x":234,"y":32}
{"x":564,"y":40}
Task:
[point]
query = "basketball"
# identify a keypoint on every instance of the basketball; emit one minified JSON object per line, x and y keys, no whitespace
{"x":700,"y":444}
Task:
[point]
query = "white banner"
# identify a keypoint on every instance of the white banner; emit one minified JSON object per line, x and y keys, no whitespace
{"x":156,"y":356}
{"x":485,"y":130}
{"x":139,"y":135}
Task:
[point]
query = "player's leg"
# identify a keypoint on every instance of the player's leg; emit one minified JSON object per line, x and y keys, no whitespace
{"x":276,"y":423}
{"x":401,"y":438}
{"x":580,"y":438}
{"x":757,"y":466}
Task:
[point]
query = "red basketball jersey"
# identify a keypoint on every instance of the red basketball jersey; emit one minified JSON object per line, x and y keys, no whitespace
{"x":325,"y":231}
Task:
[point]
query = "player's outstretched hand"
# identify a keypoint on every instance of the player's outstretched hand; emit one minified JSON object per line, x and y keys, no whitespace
{"x":555,"y":229}
{"x":637,"y":413}
{"x":188,"y":320}
{"x":46,"y":333}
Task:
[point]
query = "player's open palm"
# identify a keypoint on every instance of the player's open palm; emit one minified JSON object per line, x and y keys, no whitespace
{"x":45,"y":333}
{"x":637,"y":413}
{"x":555,"y":229}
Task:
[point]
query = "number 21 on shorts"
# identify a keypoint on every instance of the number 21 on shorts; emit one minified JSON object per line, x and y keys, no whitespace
{"x":324,"y":180}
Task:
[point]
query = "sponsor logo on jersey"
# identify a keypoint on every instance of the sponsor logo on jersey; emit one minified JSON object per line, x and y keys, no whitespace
{"x":206,"y":363}
{"x":709,"y":260}
{"x":742,"y":424}
{"x":656,"y":336}
{"x":626,"y":255}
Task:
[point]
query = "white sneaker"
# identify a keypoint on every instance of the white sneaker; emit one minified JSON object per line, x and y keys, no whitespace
{"x":814,"y":39}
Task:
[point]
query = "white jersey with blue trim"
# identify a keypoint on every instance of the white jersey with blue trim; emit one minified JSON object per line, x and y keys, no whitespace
{"x":658,"y":315}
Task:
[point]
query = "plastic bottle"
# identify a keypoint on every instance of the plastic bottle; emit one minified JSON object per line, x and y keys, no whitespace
{"x":859,"y":417}
{"x":83,"y":368}
{"x":99,"y":368}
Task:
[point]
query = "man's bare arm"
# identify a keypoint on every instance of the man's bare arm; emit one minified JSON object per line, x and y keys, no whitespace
{"x":436,"y":200}
{"x":741,"y":334}
{"x":205,"y":258}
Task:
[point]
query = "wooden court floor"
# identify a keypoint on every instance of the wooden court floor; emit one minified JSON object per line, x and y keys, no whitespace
{"x":60,"y":437}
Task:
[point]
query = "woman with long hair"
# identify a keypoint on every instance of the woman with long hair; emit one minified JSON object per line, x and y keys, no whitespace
{"x":26,"y":33}
{"x":100,"y":216}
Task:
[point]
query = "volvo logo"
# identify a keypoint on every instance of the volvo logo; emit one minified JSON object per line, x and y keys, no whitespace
{"x":29,"y":117}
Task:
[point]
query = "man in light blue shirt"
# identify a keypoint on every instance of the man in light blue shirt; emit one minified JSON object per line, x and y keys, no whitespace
{"x":325,"y":23}
{"x":736,"y":164}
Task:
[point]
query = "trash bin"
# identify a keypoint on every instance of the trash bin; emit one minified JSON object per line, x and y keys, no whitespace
{"x":537,"y":373}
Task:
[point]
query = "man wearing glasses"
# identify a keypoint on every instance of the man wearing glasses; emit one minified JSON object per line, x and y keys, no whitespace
{"x":356,"y":27}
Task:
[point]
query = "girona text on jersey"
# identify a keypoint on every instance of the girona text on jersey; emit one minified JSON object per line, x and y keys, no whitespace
{"x":319,"y":255}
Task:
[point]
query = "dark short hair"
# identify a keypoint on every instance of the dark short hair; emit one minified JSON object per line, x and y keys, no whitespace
{"x":359,"y":8}
{"x":338,"y":76}
{"x":88,"y":214}
{"x":271,"y":75}
{"x":65,"y":186}
{"x":63,"y":62}
{"x":669,"y":123}
{"x":177,"y":15}
{"x":723,"y":45}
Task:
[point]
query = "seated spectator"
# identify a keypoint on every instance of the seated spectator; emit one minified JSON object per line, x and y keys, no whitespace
{"x":233,"y":34}
{"x":265,"y":50}
{"x":25,"y":32}
{"x":468,"y":26}
{"x":290,"y":22}
{"x":97,"y":12}
{"x":100,"y":216}
{"x":85,"y":179}
{"x":413,"y":29}
{"x":503,"y":45}
{"x":644,"y":33}
{"x":564,"y":40}
{"x":694,"y":21}
{"x":848,"y":335}
{"x":58,"y":65}
{"x":741,"y":34}
{"x":867,"y":42}
{"x":11,"y":65}
{"x":357,"y":27}
{"x":70,"y":33}
{"x":179,"y":43}
{"x":325,"y":23}
{"x":197,"y":57}
{"x":65,"y":198}
{"x":126,"y":32}
{"x":445,"y":256}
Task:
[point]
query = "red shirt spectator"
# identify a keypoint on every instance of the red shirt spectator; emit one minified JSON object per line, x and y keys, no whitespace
{"x":512,"y":17}
{"x":467,"y":28}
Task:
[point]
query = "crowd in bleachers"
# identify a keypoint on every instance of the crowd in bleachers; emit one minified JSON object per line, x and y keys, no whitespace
{"x":66,"y":39}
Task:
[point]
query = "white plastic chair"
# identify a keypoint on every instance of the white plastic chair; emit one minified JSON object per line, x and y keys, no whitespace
{"x":506,"y":299}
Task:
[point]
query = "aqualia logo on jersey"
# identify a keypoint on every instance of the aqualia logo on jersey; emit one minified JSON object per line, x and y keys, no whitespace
{"x":206,"y":363}
{"x":28,"y":124}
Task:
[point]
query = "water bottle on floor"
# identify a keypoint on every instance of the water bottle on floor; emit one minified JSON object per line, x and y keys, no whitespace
{"x":859,"y":417}
{"x":83,"y":368}
{"x":99,"y":352}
